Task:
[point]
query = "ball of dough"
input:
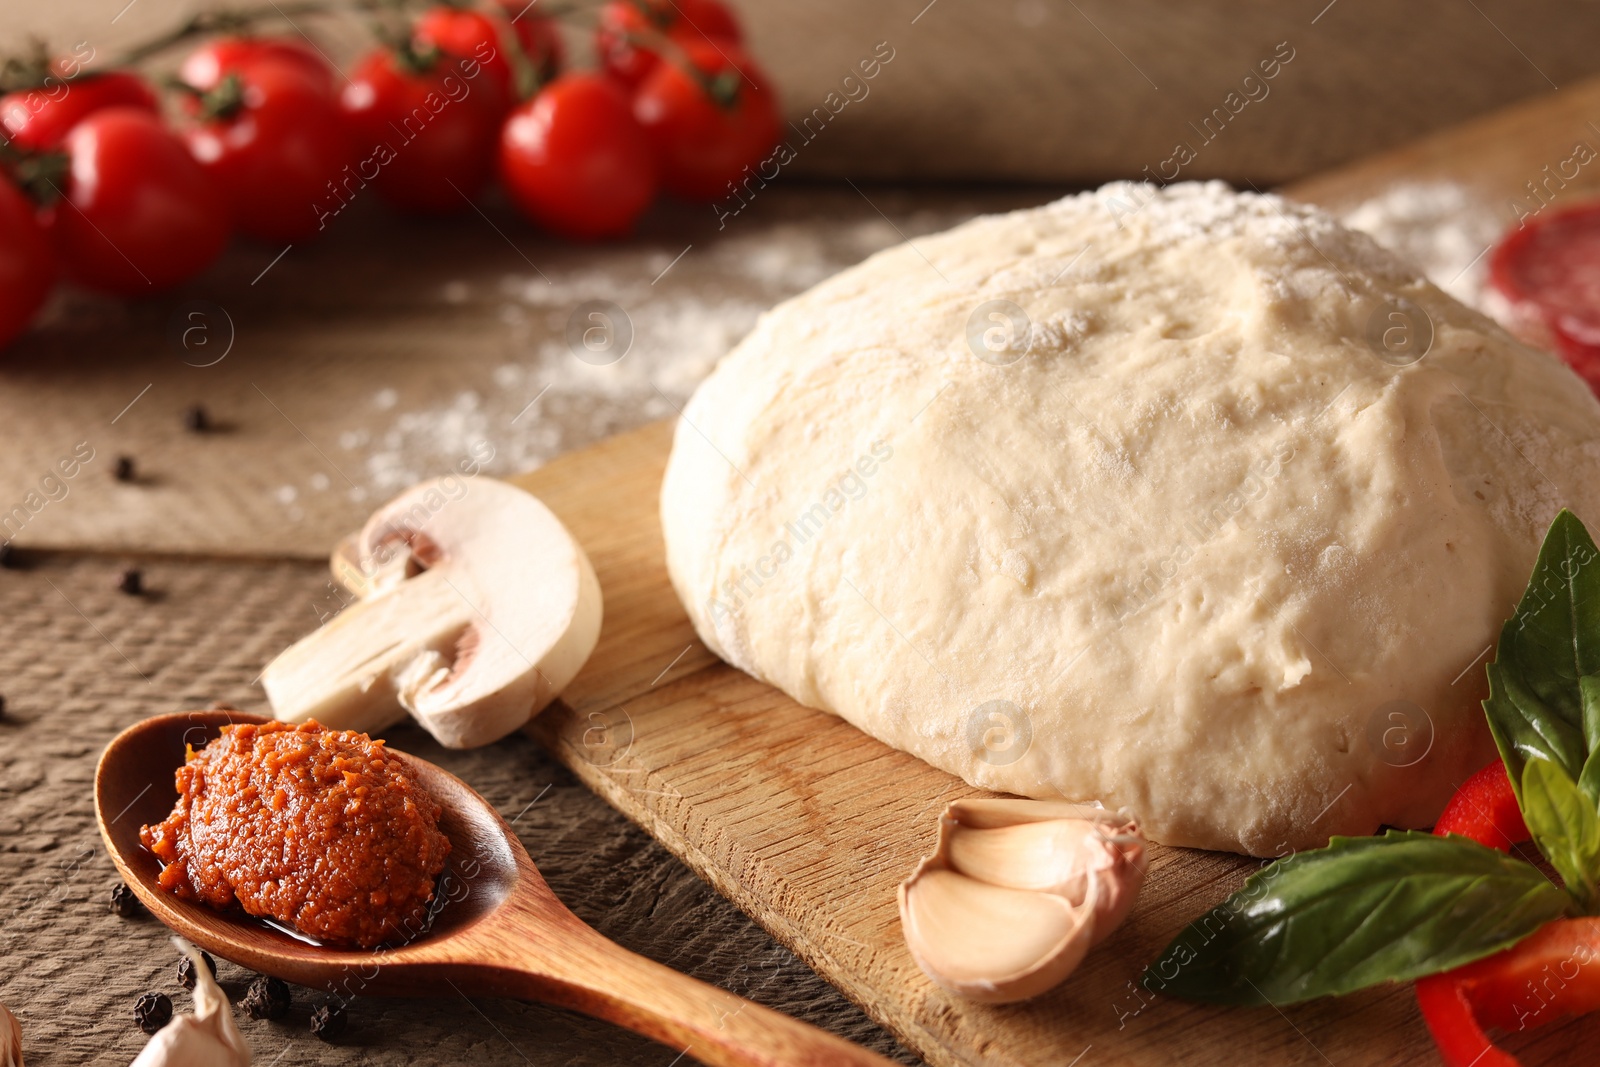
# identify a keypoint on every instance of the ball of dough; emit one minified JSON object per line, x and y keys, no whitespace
{"x":1183,"y":499}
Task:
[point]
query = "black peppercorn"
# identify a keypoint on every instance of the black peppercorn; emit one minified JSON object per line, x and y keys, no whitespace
{"x":132,"y":581}
{"x":195,"y":420}
{"x":267,"y":998}
{"x":152,"y":1011}
{"x":123,"y":472}
{"x":123,"y":902}
{"x":328,"y":1021}
{"x":186,"y":975}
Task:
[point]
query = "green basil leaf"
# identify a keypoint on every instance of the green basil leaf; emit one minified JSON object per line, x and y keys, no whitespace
{"x":1525,"y":727}
{"x":1362,"y":911}
{"x":1564,"y":824}
{"x":1589,"y":780}
{"x":1535,"y":705}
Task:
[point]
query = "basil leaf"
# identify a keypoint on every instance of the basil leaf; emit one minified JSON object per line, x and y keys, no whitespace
{"x":1589,"y":780}
{"x":1363,"y":910}
{"x":1535,"y":705}
{"x":1565,"y":825}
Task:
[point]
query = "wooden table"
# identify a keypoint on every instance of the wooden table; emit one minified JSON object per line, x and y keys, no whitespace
{"x":381,"y":330}
{"x":334,"y":374}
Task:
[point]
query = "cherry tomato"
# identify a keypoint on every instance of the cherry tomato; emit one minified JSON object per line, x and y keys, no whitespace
{"x":274,"y":150}
{"x":138,"y":214}
{"x":27,"y":265}
{"x":479,"y":37}
{"x":575,"y":161}
{"x":708,"y":128}
{"x":40,"y":118}
{"x":540,"y":38}
{"x":427,"y":137}
{"x":206,"y":66}
{"x":624,"y":26}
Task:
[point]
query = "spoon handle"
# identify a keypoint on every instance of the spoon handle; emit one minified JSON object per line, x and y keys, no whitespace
{"x":587,"y":973}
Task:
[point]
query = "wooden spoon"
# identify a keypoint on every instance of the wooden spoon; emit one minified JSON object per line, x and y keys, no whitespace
{"x":501,"y":933}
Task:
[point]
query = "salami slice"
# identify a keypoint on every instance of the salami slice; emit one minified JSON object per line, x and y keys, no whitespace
{"x":1549,"y":269}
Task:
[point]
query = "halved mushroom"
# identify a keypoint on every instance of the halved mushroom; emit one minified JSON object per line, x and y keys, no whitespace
{"x":477,"y":608}
{"x":1016,"y":892}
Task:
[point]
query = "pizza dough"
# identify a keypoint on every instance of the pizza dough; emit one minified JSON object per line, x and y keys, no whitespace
{"x":1142,"y":497}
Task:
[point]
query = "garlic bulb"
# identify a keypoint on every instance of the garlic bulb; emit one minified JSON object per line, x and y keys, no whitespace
{"x":1016,"y":892}
{"x":10,"y":1039}
{"x":208,"y":1038}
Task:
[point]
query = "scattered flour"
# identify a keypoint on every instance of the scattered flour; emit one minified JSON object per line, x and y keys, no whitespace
{"x":1441,"y":230}
{"x":544,"y":400}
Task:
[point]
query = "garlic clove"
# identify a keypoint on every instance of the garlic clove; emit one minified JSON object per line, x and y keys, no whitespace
{"x":208,"y":1038}
{"x":986,"y":813}
{"x":1017,"y":891}
{"x":10,"y":1039}
{"x":989,"y":943}
{"x":1048,"y":857}
{"x":1056,"y":856}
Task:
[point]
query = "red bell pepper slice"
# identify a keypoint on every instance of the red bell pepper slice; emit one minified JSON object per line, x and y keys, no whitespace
{"x":1485,"y":809}
{"x":1551,"y":975}
{"x":1448,"y":1012}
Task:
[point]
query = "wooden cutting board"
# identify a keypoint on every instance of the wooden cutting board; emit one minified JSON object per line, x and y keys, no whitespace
{"x":809,"y":825}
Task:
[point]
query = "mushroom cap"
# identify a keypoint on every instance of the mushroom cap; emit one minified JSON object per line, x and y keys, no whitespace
{"x":477,"y":607}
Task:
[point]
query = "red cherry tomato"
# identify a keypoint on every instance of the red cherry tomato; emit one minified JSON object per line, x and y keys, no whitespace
{"x":275,"y":151}
{"x":626,"y":25}
{"x":618,"y":40}
{"x":206,"y":66}
{"x":708,"y":128}
{"x":27,"y":265}
{"x":138,"y":214}
{"x":40,"y":118}
{"x":427,"y":139}
{"x":575,"y":161}
{"x":478,"y":37}
{"x":540,"y":38}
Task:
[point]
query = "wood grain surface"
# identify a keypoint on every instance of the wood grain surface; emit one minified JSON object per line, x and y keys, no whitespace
{"x":1518,"y":161}
{"x":809,"y":825}
{"x":80,"y":661}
